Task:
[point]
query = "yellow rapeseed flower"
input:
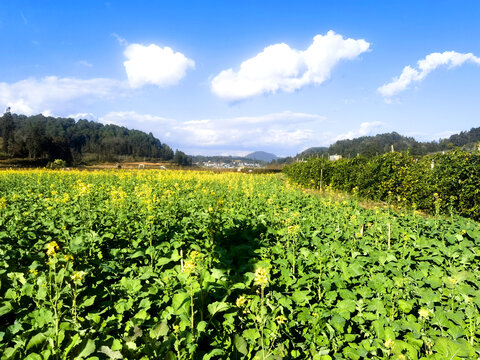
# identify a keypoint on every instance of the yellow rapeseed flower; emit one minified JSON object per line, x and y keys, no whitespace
{"x":424,"y":313}
{"x":389,"y":343}
{"x":194,"y":254}
{"x":241,"y":301}
{"x":189,"y":267}
{"x":281,"y":319}
{"x":77,"y":276}
{"x":261,"y":277}
{"x":52,"y":248}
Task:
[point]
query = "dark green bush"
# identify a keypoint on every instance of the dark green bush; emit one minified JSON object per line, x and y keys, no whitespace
{"x":436,"y":183}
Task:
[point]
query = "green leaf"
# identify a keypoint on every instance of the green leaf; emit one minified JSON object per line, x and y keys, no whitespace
{"x":136,"y":254}
{"x":113,"y":355}
{"x":88,"y":349}
{"x":202,"y":325}
{"x":450,"y":349}
{"x":116,"y":345}
{"x":181,"y":303}
{"x":36,"y":340}
{"x":405,"y":306}
{"x":163,"y":261}
{"x":214,"y":352}
{"x":240,"y":344}
{"x":15,"y":327}
{"x":8,"y":353}
{"x":401,"y":347}
{"x":75,"y":340}
{"x":347,"y":305}
{"x":251,"y":334}
{"x":338,"y":322}
{"x":33,"y":356}
{"x":161,"y":329}
{"x":6,"y":308}
{"x":301,"y":297}
{"x":141,"y":315}
{"x":217,"y":307}
{"x":88,"y":301}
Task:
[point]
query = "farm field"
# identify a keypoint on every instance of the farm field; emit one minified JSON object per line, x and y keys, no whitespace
{"x":181,"y":264}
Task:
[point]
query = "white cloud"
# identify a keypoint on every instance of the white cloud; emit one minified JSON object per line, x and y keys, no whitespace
{"x":155,"y":65}
{"x":33,"y":96}
{"x":431,"y":62}
{"x":280,"y":68}
{"x":120,"y":40}
{"x":83,"y":116}
{"x":365,"y":129}
{"x":135,"y":120}
{"x":283,"y":132}
{"x":84,"y":63}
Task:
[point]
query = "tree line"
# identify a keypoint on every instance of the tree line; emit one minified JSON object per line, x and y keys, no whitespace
{"x":369,"y":146}
{"x":45,"y":137}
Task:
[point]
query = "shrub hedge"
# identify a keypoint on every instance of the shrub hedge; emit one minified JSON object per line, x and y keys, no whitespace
{"x":439,"y":183}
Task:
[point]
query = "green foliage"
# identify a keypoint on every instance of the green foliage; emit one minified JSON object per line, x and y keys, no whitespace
{"x":195,"y":265}
{"x":60,"y":138}
{"x":369,"y":146}
{"x":440,"y":183}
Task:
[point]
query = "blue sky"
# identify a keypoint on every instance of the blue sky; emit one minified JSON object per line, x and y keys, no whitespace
{"x":225,"y":77}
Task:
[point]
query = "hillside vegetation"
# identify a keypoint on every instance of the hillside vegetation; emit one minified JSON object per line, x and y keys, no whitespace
{"x":40,"y":137}
{"x":369,"y":146}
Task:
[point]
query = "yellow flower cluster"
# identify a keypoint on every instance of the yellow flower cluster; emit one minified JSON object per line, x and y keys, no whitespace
{"x":189,"y":267}
{"x":77,"y":276}
{"x":241,"y":300}
{"x":68,"y":257}
{"x":83,"y":188}
{"x":194,"y":254}
{"x":52,"y":248}
{"x":389,"y":343}
{"x":293,"y":229}
{"x":452,"y":280}
{"x":34,"y":272}
{"x":425,"y":313}
{"x":261,"y":277}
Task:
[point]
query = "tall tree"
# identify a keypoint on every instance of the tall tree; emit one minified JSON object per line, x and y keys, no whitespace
{"x":8,"y":131}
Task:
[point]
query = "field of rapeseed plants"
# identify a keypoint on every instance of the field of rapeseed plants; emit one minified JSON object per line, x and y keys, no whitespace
{"x":195,"y":265}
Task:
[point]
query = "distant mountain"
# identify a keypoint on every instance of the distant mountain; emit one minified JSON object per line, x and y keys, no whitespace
{"x":262,"y":156}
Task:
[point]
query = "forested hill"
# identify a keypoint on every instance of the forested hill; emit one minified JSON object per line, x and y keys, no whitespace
{"x":380,"y":144}
{"x":40,"y":137}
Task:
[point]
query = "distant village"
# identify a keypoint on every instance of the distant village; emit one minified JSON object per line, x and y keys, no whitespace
{"x":233,"y":164}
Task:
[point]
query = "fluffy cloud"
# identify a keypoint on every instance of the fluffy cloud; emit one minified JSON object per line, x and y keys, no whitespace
{"x":155,"y":65}
{"x":33,"y":96}
{"x":279,"y":67}
{"x":431,"y":62}
{"x":284,"y":132}
{"x":83,"y":116}
{"x":365,"y":129}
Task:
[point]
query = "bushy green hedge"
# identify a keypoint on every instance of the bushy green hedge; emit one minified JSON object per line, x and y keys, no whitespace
{"x":437,"y":183}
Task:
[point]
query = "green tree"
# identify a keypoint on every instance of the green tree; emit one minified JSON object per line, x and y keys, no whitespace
{"x":8,"y":131}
